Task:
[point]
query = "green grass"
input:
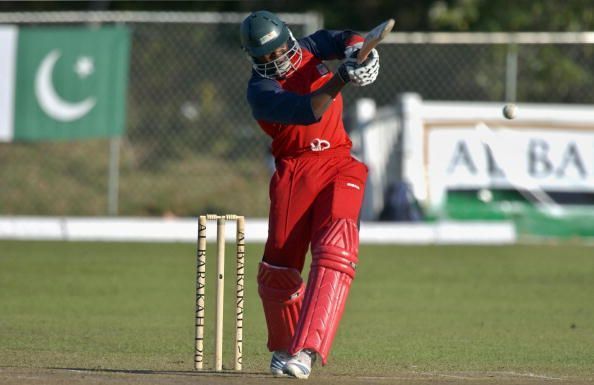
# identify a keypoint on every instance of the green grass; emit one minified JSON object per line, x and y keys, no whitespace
{"x":525,"y":309}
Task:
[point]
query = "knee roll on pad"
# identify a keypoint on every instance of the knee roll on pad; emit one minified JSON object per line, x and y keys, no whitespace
{"x":332,"y":271}
{"x":281,"y":291}
{"x":339,"y":244}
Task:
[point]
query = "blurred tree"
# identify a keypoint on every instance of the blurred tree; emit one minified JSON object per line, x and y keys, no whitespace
{"x":569,"y":67}
{"x":411,"y":15}
{"x":503,"y":15}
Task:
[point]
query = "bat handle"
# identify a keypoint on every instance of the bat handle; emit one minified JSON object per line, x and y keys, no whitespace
{"x":362,"y":55}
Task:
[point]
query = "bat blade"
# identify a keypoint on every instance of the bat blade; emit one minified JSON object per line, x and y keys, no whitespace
{"x":373,"y":38}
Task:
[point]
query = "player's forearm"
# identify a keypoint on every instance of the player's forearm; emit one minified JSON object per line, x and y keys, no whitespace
{"x":323,"y":97}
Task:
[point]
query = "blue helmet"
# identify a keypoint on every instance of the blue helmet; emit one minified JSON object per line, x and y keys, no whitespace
{"x":262,"y":33}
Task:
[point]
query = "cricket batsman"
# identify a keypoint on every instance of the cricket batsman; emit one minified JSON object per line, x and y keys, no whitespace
{"x":317,"y":189}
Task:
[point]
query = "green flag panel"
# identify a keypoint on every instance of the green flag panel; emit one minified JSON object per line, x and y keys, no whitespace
{"x":71,"y":83}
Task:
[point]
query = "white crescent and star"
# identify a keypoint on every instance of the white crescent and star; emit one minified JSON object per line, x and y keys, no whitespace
{"x":49,"y":100}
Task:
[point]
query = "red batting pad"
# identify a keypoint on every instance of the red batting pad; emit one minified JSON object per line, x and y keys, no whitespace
{"x":332,"y":271}
{"x":281,"y":290}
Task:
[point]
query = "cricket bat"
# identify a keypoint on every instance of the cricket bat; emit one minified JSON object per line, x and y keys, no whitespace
{"x":373,"y":38}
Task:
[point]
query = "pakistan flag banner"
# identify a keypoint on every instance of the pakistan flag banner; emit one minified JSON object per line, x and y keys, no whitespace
{"x":62,"y":83}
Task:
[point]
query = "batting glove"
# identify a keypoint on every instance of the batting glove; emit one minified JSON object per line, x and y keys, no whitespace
{"x":360,"y":74}
{"x":352,"y":50}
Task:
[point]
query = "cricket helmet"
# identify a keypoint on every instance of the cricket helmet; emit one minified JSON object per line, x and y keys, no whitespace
{"x":261,"y":33}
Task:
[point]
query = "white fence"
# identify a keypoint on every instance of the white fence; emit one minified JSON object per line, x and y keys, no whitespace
{"x":186,"y":230}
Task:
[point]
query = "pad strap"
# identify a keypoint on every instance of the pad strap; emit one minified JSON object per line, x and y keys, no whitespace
{"x":281,"y":291}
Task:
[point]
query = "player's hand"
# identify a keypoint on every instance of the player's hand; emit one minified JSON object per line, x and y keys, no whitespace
{"x":360,"y":74}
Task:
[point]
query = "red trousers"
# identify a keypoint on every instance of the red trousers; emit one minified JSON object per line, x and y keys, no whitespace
{"x":306,"y":194}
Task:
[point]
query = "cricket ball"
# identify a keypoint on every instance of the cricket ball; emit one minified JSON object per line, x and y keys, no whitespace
{"x":510,"y":110}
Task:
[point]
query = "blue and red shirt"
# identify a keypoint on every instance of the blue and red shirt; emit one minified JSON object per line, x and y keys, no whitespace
{"x":282,"y":107}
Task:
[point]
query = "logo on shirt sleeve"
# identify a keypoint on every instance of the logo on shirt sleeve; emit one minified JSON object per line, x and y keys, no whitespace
{"x":322,"y":69}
